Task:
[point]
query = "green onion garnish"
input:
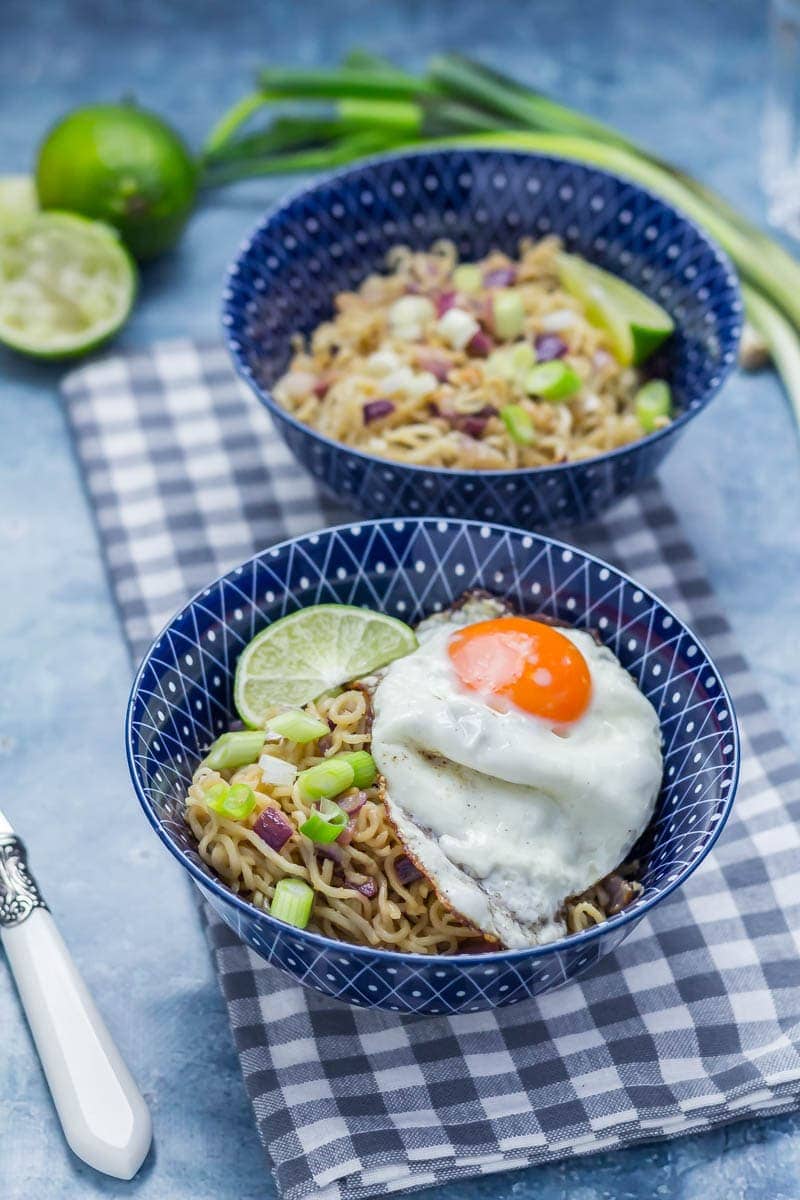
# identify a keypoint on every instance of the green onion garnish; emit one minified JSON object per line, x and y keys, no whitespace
{"x":325,"y":823}
{"x":508,"y":314}
{"x":232,"y":750}
{"x":364,"y":770}
{"x":653,"y":402}
{"x":552,"y":380}
{"x":292,"y":902}
{"x":468,"y":278}
{"x":236,"y":802}
{"x":327,"y":778}
{"x":297,"y":726}
{"x":517,"y":421}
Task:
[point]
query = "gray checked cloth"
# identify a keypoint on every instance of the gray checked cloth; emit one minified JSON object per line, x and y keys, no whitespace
{"x":694,"y":1021}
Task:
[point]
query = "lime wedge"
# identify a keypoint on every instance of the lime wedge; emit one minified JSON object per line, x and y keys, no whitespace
{"x":18,"y":200}
{"x":635,"y":324}
{"x":312,"y":650}
{"x":66,"y":284}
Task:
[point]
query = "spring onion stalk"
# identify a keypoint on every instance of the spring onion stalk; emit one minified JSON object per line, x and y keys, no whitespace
{"x":342,"y":83}
{"x":326,"y":779}
{"x":236,"y":802}
{"x":324,"y":824}
{"x":292,"y":902}
{"x":517,"y":421}
{"x":297,"y":726}
{"x":653,"y":403}
{"x":781,"y":337}
{"x":364,"y":770}
{"x":232,"y":750}
{"x":277,"y":770}
{"x":508,"y":314}
{"x":552,"y":380}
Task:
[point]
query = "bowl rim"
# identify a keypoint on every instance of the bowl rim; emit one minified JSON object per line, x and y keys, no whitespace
{"x":320,"y":941}
{"x":340,"y":176}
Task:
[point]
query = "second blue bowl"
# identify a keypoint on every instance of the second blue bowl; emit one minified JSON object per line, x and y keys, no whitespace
{"x":329,"y":237}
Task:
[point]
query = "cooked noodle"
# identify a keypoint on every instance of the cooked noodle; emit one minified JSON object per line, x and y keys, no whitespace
{"x":357,"y":359}
{"x":409,"y":918}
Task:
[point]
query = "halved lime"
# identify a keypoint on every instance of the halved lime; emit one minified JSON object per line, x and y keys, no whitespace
{"x":18,"y":200}
{"x":312,"y":650}
{"x":66,"y":284}
{"x":635,"y":324}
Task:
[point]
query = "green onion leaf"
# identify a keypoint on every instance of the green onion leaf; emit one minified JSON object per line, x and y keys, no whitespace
{"x":552,"y":380}
{"x":327,"y":778}
{"x":235,"y":802}
{"x":364,"y":770}
{"x":232,"y":750}
{"x":325,"y":824}
{"x":652,"y":403}
{"x":517,"y":421}
{"x":297,"y":726}
{"x":292,"y":902}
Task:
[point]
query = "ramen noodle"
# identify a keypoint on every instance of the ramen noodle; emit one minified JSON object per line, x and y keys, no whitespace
{"x":436,"y":363}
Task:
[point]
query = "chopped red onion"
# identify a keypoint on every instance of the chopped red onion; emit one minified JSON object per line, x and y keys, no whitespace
{"x":472,"y":424}
{"x":438,"y":367}
{"x":375,"y":409}
{"x":500,"y":277}
{"x":324,"y":743}
{"x":346,"y":836}
{"x":549,"y":346}
{"x":480,"y":344}
{"x":368,"y":889}
{"x":406,"y":870}
{"x":322,"y":386}
{"x":444,"y":302}
{"x":273,"y":828}
{"x":235,"y":726}
{"x":352,"y":804}
{"x":332,"y":851}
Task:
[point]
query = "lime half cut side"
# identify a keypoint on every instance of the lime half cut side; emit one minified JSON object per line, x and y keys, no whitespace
{"x":635,"y":324}
{"x":18,"y":200}
{"x":312,"y":650}
{"x":66,"y":285}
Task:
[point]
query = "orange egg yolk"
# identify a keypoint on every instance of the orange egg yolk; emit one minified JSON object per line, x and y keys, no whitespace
{"x":525,"y":662}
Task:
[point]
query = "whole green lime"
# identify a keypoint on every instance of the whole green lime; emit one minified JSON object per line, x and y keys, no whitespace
{"x":123,"y":165}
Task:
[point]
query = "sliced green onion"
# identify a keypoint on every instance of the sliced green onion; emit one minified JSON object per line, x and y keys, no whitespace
{"x":292,"y":902}
{"x":325,"y":823}
{"x":517,"y":421}
{"x":327,"y":778}
{"x":653,"y":403}
{"x":235,"y":802}
{"x":468,"y":278}
{"x":237,"y":749}
{"x":552,"y":380}
{"x":508,"y":314}
{"x":364,"y":770}
{"x":297,"y":726}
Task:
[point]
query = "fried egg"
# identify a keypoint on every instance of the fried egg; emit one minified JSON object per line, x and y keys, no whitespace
{"x":520,"y":764}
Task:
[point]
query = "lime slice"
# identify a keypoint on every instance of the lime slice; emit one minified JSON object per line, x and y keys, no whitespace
{"x":66,"y":284}
{"x":18,"y":200}
{"x":303,"y":655}
{"x":635,"y":324}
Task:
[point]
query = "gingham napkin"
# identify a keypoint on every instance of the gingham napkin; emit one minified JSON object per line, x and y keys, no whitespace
{"x":693,"y":1022}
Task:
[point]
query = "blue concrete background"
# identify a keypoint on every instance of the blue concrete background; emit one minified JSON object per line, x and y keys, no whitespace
{"x":686,"y":78}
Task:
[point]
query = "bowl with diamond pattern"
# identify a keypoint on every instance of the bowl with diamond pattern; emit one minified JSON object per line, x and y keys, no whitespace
{"x":330,"y":236}
{"x":182,"y":699}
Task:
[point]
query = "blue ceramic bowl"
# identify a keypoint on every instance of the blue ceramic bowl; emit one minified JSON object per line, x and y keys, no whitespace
{"x":328,"y":237}
{"x":182,"y":699}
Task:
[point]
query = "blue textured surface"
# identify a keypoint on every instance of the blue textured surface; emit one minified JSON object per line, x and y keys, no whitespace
{"x":685,"y":78}
{"x":182,"y":700}
{"x":329,"y":237}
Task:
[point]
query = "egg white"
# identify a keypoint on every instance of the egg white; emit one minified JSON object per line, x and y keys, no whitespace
{"x":508,"y":815}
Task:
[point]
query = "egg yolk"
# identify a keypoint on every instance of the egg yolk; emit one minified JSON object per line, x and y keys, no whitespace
{"x":526,"y":662}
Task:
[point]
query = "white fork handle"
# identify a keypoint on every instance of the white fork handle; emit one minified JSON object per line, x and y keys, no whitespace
{"x":103,"y":1113}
